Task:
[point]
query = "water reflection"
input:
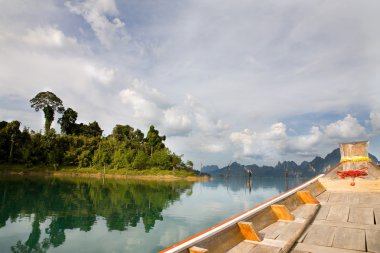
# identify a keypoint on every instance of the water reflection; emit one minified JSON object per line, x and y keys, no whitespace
{"x":76,"y":203}
{"x":250,"y":184}
{"x":72,"y":215}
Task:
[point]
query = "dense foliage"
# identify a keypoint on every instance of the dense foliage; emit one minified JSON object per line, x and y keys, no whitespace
{"x":83,"y":145}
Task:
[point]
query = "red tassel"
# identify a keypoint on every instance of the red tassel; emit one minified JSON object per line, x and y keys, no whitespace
{"x":353,"y":173}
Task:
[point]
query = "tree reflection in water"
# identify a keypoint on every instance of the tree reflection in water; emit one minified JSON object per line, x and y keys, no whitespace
{"x":76,"y":204}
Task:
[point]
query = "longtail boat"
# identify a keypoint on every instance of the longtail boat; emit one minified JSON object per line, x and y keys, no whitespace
{"x":335,"y":212}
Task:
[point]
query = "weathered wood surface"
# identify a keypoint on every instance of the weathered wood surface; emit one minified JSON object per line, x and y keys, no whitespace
{"x":373,"y":240}
{"x":338,"y":198}
{"x":376,"y":211}
{"x":264,"y":249}
{"x":338,"y":213}
{"x":323,"y":212}
{"x":288,"y":232}
{"x":361,"y":185}
{"x":346,"y":222}
{"x":349,"y":238}
{"x":242,"y":247}
{"x":373,"y":198}
{"x":305,"y":211}
{"x":361,"y":216}
{"x":320,"y":235}
{"x":346,"y":225}
{"x":274,"y":230}
{"x":323,"y":197}
{"x":249,"y":247}
{"x":321,"y":249}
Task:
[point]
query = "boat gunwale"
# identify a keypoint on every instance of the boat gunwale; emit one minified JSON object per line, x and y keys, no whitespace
{"x":190,"y":241}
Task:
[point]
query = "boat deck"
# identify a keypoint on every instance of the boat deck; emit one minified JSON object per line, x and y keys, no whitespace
{"x":346,"y":222}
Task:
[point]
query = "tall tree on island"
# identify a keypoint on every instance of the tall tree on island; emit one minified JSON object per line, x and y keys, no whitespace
{"x":153,"y":140}
{"x":49,"y":103}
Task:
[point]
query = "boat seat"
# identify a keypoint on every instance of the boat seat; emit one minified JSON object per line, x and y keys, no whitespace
{"x":281,"y":235}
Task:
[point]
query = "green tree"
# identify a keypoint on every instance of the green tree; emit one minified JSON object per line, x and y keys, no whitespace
{"x":49,"y":103}
{"x":141,"y":160}
{"x":122,"y":133}
{"x":189,"y":164}
{"x":153,"y":140}
{"x":67,"y":121}
{"x":91,"y":130}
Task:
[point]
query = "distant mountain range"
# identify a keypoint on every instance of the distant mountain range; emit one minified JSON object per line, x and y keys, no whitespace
{"x":305,"y":169}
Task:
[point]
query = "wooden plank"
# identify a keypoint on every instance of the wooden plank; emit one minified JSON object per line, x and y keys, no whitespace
{"x":349,"y":238}
{"x":374,"y":206}
{"x":361,"y":216}
{"x":376,"y":211}
{"x":320,"y":235}
{"x":271,"y":242}
{"x":321,"y":249}
{"x":338,"y":198}
{"x":282,"y":212}
{"x":242,"y":247}
{"x":196,"y":249}
{"x":290,"y":229}
{"x":373,"y":240}
{"x":373,"y":198}
{"x":307,"y":198}
{"x":338,"y":213}
{"x":273,"y":230}
{"x":323,"y":197}
{"x":248,"y":231}
{"x":264,"y":249}
{"x":304,"y":211}
{"x":346,"y":225}
{"x":361,"y":185}
{"x":323,"y":212}
{"x":354,"y":198}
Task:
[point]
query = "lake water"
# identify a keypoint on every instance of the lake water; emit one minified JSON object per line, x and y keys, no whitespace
{"x":91,"y":215}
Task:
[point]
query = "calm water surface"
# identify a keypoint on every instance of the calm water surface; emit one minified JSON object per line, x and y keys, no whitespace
{"x":83,"y":215}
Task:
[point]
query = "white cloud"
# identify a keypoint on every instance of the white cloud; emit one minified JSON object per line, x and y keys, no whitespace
{"x":102,"y":74}
{"x":48,"y":36}
{"x":375,"y":122}
{"x":177,"y":122}
{"x":244,"y":140}
{"x":213,"y":148}
{"x":96,"y":13}
{"x":271,"y":146}
{"x":271,"y":62}
{"x":346,"y":130}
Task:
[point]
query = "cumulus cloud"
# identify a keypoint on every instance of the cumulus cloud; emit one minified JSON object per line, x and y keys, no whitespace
{"x":270,"y":62}
{"x":346,"y":129}
{"x":177,"y":122}
{"x":273,"y":145}
{"x":245,"y":140}
{"x":97,"y":14}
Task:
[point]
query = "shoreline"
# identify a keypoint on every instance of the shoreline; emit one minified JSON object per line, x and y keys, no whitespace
{"x":100,"y":175}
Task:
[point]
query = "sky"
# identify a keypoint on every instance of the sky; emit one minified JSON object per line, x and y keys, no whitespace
{"x":248,"y":81}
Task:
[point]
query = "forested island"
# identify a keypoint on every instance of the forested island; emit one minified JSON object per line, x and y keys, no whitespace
{"x":83,"y":148}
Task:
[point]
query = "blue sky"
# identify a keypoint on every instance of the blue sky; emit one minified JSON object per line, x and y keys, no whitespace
{"x":251,"y":81}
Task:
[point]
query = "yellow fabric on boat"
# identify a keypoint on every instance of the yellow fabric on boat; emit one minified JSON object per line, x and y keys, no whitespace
{"x":355,"y":159}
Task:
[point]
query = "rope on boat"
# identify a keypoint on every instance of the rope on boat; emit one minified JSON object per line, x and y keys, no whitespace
{"x":353,"y":174}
